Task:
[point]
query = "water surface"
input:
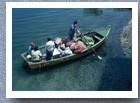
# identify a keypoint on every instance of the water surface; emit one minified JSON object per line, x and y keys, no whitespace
{"x":112,"y":73}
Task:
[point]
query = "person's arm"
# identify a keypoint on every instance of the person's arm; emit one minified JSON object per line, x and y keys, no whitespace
{"x":40,"y":55}
{"x":53,"y":46}
{"x":29,"y":50}
{"x":75,"y":31}
{"x":60,"y":50}
{"x":75,"y":34}
{"x":79,"y":31}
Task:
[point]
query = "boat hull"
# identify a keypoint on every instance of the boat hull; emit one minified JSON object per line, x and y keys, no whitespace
{"x":88,"y":50}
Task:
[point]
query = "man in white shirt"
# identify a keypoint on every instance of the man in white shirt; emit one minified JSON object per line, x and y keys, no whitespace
{"x":50,"y":46}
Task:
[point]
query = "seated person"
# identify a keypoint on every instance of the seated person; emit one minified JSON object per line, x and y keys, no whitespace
{"x":36,"y":54}
{"x":31,"y":47}
{"x":64,"y":50}
{"x":64,"y":40}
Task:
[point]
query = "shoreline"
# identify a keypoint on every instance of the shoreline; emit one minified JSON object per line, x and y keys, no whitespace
{"x":126,"y":40}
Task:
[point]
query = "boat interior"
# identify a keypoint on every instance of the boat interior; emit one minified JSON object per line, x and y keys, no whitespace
{"x":94,"y":35}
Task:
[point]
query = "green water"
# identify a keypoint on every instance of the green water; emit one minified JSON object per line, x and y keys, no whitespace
{"x":112,"y":73}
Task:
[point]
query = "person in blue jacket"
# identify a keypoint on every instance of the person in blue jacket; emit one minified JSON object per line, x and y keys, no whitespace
{"x":73,"y":31}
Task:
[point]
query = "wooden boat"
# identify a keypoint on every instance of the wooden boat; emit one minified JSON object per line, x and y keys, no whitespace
{"x":99,"y":37}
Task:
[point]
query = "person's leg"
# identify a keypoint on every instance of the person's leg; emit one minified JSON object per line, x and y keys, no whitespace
{"x":71,"y":37}
{"x":46,"y":55}
{"x":49,"y":55}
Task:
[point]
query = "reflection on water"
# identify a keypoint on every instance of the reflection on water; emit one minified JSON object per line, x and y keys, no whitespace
{"x":123,"y":9}
{"x":103,"y":50}
{"x":93,"y":11}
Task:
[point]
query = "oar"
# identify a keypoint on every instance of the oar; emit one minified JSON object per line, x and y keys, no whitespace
{"x":90,"y":45}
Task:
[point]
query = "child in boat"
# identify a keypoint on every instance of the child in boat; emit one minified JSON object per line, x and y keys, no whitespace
{"x":36,"y":54}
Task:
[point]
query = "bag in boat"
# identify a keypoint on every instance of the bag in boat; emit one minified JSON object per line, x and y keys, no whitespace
{"x":57,"y":40}
{"x":88,"y":39}
{"x":69,"y":43}
{"x":56,"y":53}
{"x":65,"y":52}
{"x":81,"y":44}
{"x":28,"y":56}
{"x":76,"y":48}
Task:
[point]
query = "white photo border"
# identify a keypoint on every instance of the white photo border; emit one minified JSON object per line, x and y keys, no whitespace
{"x":71,"y":94}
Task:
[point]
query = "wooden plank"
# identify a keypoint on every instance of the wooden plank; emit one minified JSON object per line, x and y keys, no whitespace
{"x":97,"y":37}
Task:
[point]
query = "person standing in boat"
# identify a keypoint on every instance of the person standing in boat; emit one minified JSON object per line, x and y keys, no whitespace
{"x":73,"y":31}
{"x":50,"y":46}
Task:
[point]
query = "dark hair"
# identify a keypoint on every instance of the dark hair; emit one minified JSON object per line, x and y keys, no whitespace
{"x":49,"y":39}
{"x":35,"y":48}
{"x":75,"y":22}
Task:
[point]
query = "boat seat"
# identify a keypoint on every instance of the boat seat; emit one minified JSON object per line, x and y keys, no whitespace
{"x":97,"y":37}
{"x":78,"y":38}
